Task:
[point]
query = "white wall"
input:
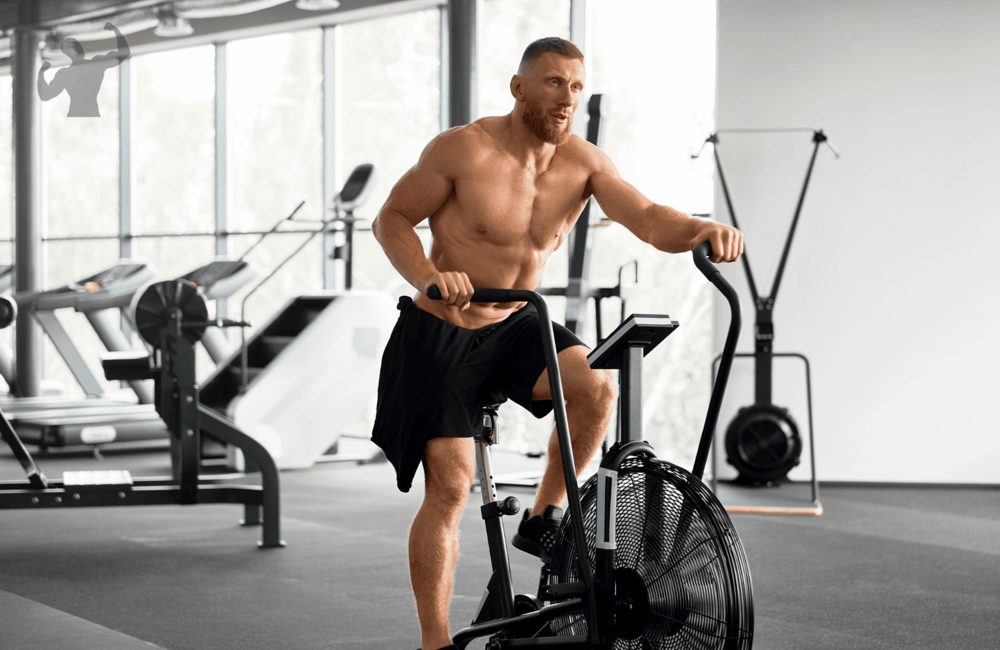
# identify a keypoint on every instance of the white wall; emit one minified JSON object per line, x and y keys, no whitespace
{"x":891,"y":286}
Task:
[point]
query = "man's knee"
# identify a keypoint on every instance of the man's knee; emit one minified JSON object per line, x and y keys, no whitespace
{"x":450,"y":471}
{"x":599,"y":392}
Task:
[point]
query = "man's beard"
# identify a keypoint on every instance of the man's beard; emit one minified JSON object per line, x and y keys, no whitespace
{"x":535,"y":120}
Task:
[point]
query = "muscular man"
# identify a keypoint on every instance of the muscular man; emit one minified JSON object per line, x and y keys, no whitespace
{"x":83,"y":78}
{"x":502,"y":194}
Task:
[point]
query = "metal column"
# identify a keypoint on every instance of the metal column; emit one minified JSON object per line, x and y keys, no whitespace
{"x":126,"y":200}
{"x":221,"y":167}
{"x":332,"y":92}
{"x":28,"y":215}
{"x":463,"y":99}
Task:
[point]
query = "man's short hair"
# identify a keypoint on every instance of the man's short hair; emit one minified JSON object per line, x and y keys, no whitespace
{"x":543,"y":45}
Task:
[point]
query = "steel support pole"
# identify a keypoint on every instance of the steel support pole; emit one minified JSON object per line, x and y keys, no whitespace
{"x":126,"y":202}
{"x":28,"y":212}
{"x":462,"y":68}
{"x":332,"y":126}
{"x":221,"y":165}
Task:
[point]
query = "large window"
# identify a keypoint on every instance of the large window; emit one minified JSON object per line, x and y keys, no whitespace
{"x":506,"y":28}
{"x":173,"y":150}
{"x":658,"y":75}
{"x":391,"y":109}
{"x":275,"y":98}
{"x":81,"y":186}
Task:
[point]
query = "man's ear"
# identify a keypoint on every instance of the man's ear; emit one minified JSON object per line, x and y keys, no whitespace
{"x":517,"y":87}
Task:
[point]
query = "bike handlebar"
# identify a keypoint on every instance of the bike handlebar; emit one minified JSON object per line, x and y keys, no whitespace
{"x":702,"y":254}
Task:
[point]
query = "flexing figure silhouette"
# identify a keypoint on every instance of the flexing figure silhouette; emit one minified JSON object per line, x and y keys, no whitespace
{"x":83,"y":78}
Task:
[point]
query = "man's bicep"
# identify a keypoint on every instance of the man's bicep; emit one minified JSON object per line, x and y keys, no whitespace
{"x":619,"y":200}
{"x":422,"y":190}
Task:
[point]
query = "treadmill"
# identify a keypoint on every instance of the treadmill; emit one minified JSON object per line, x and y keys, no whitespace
{"x":217,"y":280}
{"x":102,"y":421}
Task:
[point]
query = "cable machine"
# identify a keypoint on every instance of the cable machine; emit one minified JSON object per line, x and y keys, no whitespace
{"x":762,"y":442}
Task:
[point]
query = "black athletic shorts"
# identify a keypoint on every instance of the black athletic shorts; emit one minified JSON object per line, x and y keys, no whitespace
{"x":434,"y":376}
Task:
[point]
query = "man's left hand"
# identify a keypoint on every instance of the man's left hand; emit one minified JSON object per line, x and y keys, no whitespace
{"x":726,"y":241}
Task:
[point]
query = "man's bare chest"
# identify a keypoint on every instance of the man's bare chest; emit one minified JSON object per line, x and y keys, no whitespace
{"x":509,"y":205}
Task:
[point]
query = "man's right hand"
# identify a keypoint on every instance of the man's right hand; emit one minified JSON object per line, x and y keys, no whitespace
{"x":456,"y":288}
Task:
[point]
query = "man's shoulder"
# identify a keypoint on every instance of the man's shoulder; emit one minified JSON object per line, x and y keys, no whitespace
{"x":462,"y":145}
{"x":584,"y":153}
{"x":481,"y":133}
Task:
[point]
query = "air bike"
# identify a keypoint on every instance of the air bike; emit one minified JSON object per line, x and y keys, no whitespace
{"x":647,"y":557}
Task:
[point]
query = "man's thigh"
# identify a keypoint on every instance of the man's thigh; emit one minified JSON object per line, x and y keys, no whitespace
{"x":575,"y":371}
{"x":450,"y":464}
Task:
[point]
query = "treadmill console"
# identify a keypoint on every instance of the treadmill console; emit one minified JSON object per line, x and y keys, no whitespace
{"x":112,"y":287}
{"x":221,"y":278}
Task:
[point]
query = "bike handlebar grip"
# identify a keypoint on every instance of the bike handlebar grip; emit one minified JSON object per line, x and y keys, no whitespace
{"x":702,"y":253}
{"x":478,"y":295}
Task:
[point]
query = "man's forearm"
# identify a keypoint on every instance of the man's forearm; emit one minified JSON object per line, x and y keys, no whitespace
{"x":403,"y":247}
{"x":671,"y":231}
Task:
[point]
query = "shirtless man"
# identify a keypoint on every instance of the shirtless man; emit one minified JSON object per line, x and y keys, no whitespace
{"x":502,"y":194}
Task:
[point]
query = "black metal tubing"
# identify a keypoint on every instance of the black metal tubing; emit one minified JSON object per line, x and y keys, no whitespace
{"x":818,"y":138}
{"x":812,"y":452}
{"x":531,"y":619}
{"x":732,"y":214}
{"x":259,"y":460}
{"x":701,"y":254}
{"x":497,"y":541}
{"x":562,"y":427}
{"x":619,"y":452}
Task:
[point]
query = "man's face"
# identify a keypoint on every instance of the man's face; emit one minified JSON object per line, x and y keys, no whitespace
{"x":552,"y":93}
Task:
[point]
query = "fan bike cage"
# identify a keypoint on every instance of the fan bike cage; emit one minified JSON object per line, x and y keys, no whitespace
{"x":762,"y":442}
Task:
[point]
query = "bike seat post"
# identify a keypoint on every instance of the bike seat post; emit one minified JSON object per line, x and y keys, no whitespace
{"x":498,"y":601}
{"x":484,"y":463}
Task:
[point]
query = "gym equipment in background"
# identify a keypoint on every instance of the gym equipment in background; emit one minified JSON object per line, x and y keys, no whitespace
{"x":93,"y":296}
{"x":173,"y":318}
{"x":313,"y":367}
{"x":218,"y":280}
{"x":762,"y":442}
{"x":51,"y":423}
{"x":646,"y":556}
{"x":6,"y":359}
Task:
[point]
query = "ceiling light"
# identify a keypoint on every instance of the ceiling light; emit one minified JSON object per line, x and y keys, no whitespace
{"x":172,"y":26}
{"x":317,"y":5}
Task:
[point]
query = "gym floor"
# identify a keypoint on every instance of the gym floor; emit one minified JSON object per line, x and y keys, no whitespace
{"x":883,"y":567}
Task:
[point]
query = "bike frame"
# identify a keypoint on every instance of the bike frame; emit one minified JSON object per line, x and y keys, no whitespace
{"x":583,"y":596}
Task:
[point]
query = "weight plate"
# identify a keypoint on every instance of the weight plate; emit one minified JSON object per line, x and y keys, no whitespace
{"x":8,"y":311}
{"x":154,"y":306}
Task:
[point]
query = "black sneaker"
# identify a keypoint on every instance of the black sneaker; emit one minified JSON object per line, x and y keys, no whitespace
{"x":537,"y":535}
